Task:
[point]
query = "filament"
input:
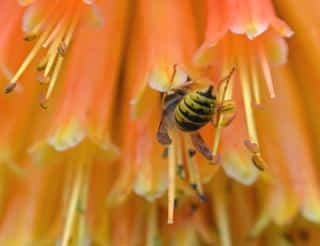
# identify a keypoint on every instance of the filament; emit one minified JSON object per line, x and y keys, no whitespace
{"x":172,"y":186}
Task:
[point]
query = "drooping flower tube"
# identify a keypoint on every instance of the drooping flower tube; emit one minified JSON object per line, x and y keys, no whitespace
{"x":250,"y":35}
{"x":153,"y":54}
{"x":74,"y":132}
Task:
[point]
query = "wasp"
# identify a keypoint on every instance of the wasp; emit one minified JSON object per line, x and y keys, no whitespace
{"x":188,"y":109}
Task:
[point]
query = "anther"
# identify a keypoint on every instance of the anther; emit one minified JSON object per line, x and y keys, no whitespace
{"x":304,"y":235}
{"x":175,"y":203}
{"x":44,"y":103}
{"x":227,"y":106}
{"x":259,"y":162}
{"x":191,"y":153}
{"x":30,"y":36}
{"x":194,"y":186}
{"x":81,"y":209}
{"x":10,"y":87}
{"x":203,"y":197}
{"x":43,"y":79}
{"x":165,"y":153}
{"x":251,"y":146}
{"x":42,"y":64}
{"x":194,"y":207}
{"x":62,"y":49}
{"x":216,"y":159}
{"x":288,"y":237}
{"x":180,"y":171}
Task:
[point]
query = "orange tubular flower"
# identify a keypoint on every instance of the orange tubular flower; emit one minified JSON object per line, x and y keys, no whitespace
{"x":157,"y":49}
{"x":91,"y":146}
{"x":63,"y":38}
{"x":248,"y":34}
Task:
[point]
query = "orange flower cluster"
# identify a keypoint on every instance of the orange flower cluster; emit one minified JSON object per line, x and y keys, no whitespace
{"x":86,"y":85}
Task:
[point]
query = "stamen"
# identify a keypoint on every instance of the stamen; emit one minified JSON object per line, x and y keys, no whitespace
{"x":70,"y":218}
{"x":216,"y":141}
{"x":10,"y":87}
{"x":172,"y":186}
{"x":189,"y":166}
{"x":27,"y":61}
{"x":34,"y":33}
{"x":82,"y":205}
{"x":52,"y":82}
{"x":246,"y":93}
{"x":193,"y":169}
{"x":194,"y":207}
{"x":58,"y":65}
{"x":42,"y":64}
{"x":266,"y":72}
{"x":165,"y":153}
{"x":180,"y":167}
{"x":256,"y":158}
{"x":191,"y":153}
{"x":30,"y":36}
{"x":225,"y":93}
{"x":62,"y":49}
{"x":259,"y":162}
{"x":52,"y":53}
{"x":42,"y":79}
{"x":152,"y":230}
{"x":255,"y":80}
{"x":220,"y":207}
{"x":52,"y":15}
{"x":54,"y":33}
{"x":260,"y":225}
{"x":252,"y":147}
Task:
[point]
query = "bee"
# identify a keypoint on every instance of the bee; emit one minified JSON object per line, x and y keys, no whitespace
{"x":189,"y":110}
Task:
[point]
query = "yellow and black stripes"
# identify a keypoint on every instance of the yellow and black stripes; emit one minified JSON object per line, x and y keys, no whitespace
{"x":195,"y":110}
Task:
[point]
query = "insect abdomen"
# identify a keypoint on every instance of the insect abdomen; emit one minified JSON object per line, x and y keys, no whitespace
{"x":194,"y":111}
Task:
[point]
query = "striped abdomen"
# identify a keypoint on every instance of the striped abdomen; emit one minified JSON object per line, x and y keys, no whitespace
{"x":195,"y":110}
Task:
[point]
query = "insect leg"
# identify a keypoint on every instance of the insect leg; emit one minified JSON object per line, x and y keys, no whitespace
{"x":162,"y":133}
{"x":200,"y":145}
{"x":225,"y":114}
